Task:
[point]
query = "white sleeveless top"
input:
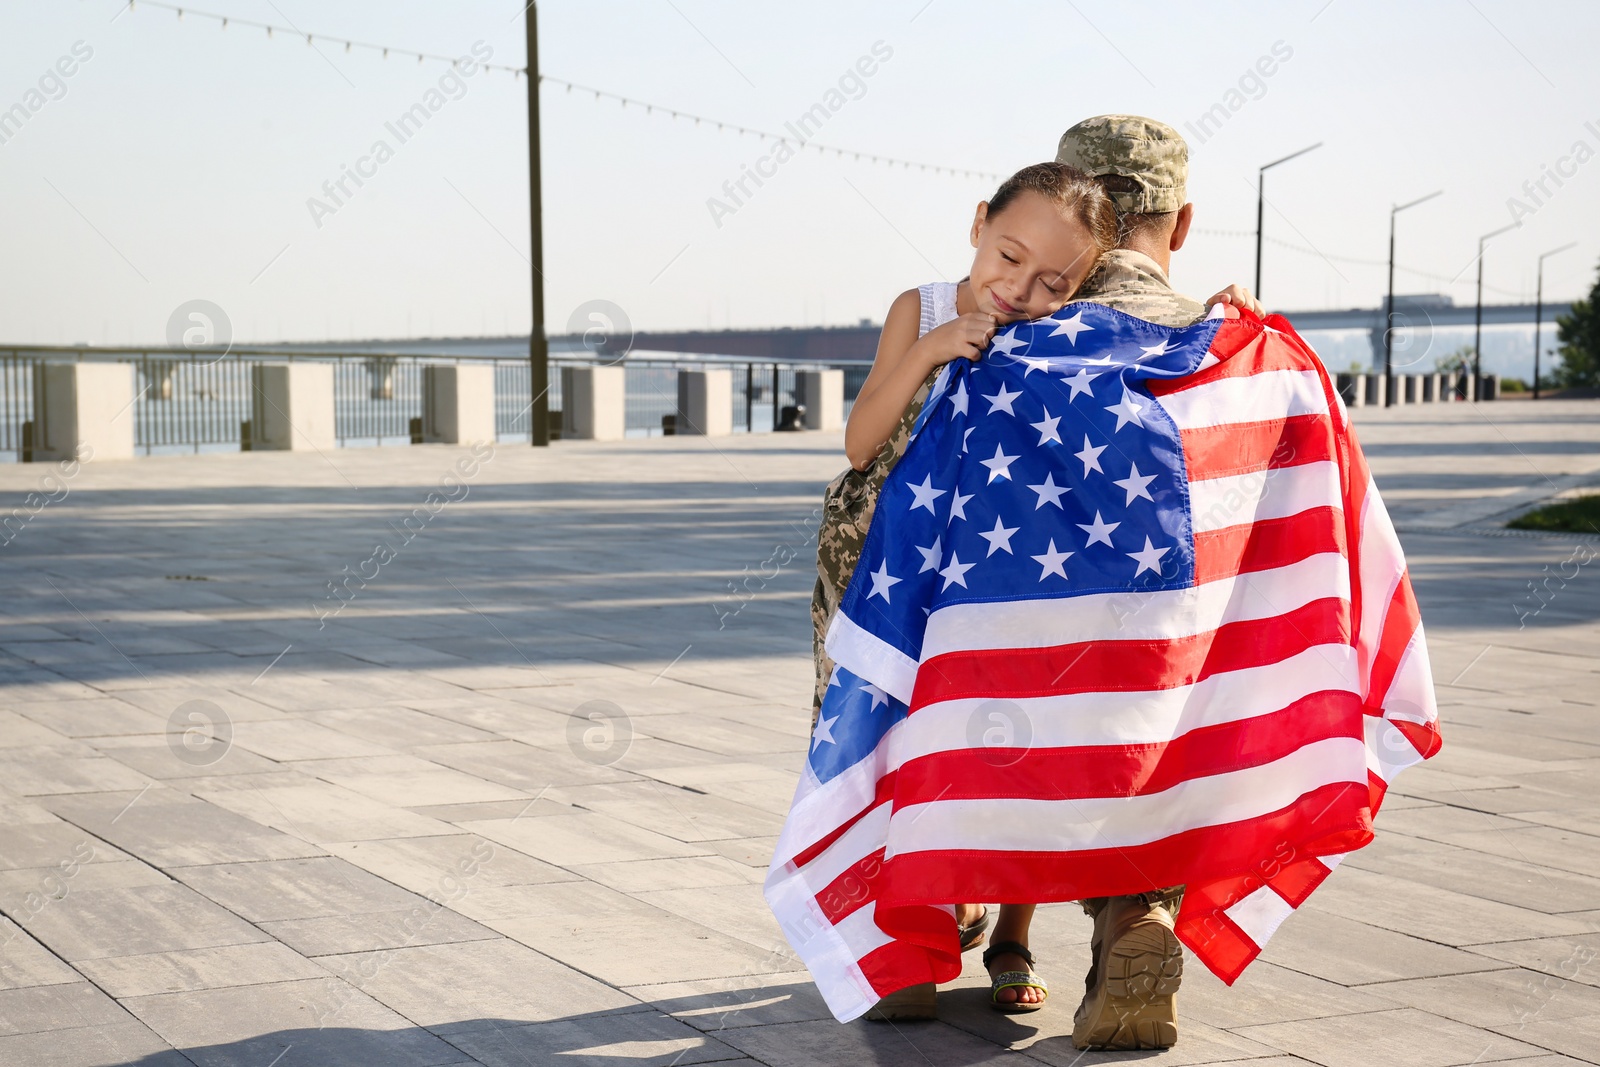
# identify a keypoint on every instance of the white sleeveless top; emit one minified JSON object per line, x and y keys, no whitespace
{"x":938,"y":305}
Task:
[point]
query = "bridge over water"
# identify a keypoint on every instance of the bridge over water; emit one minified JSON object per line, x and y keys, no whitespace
{"x":792,"y":344}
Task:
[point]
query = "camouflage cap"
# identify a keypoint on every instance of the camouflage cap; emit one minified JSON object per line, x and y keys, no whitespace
{"x":1151,"y":153}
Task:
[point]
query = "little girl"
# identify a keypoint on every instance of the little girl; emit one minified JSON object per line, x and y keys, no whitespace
{"x":1037,"y":240}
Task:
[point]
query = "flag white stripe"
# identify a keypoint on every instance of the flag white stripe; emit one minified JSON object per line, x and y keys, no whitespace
{"x":861,"y":653}
{"x":1012,"y":824}
{"x":1273,"y":394}
{"x":1411,"y":695}
{"x":1132,"y":718}
{"x":831,"y":953}
{"x":814,"y":812}
{"x":1275,"y":493}
{"x":1134,"y":616}
{"x":1260,"y":914}
{"x":851,"y":847}
{"x":1382,"y":566}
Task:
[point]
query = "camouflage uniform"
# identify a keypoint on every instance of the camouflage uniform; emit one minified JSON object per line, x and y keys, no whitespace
{"x":847,"y":507}
{"x":1134,"y":283}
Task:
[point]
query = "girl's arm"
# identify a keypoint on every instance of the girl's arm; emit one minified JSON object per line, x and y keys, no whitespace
{"x":902,"y":364}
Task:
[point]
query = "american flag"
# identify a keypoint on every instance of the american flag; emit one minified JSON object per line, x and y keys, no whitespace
{"x":1130,"y":615}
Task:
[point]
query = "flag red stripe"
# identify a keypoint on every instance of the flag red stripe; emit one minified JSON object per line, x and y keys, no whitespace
{"x":1086,"y":771}
{"x":1244,"y":349}
{"x":1424,"y":736}
{"x":1296,"y":881}
{"x":905,"y":963}
{"x":1399,"y":624}
{"x":1217,"y":940}
{"x":1266,"y":544}
{"x":1355,"y":477}
{"x":853,"y":888}
{"x":1244,"y":447}
{"x":885,"y":790}
{"x":1331,"y":819}
{"x":1130,"y":666}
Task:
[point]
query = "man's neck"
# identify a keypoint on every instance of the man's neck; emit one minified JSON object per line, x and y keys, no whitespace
{"x":1156,"y":251}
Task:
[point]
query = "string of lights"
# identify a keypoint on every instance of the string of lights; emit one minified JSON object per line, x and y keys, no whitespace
{"x":625,"y":102}
{"x":767,"y":135}
{"x":294,"y":32}
{"x":349,"y":44}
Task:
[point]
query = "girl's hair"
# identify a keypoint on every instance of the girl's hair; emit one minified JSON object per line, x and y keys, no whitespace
{"x":1075,"y":195}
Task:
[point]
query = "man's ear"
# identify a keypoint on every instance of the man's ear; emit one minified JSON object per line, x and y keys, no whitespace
{"x":1180,"y":230}
{"x":979,"y":217}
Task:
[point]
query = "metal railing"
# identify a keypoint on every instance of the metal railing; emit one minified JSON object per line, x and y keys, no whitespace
{"x":17,"y":375}
{"x":189,"y":403}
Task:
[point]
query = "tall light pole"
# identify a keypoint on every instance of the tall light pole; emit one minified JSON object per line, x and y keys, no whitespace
{"x":1538,"y":314}
{"x":1261,"y":201}
{"x":1477,"y":319}
{"x":1388,"y":307}
{"x":538,"y":344}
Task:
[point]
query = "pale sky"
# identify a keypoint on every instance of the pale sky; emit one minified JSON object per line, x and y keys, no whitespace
{"x":176,"y":162}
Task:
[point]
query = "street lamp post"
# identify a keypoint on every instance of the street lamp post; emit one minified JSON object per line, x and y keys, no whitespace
{"x":1261,"y":200}
{"x":1388,"y":323}
{"x":1477,"y":318}
{"x":1538,"y":314}
{"x":538,"y":344}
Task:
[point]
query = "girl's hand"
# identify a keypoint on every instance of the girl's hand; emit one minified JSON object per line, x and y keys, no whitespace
{"x":1240,"y":297}
{"x":963,"y":337}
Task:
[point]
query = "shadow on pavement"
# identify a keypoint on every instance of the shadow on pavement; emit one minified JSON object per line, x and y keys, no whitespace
{"x":781,"y":1024}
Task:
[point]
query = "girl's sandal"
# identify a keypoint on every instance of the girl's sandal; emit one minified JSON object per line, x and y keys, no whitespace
{"x":1013,"y":979}
{"x":972,"y":934}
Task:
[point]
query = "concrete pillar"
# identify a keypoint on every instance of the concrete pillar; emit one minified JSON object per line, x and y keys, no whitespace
{"x":458,"y":403}
{"x":1491,"y":387}
{"x":1375,"y":390}
{"x":1430,"y":388}
{"x":83,"y":409}
{"x":705,"y":402}
{"x":821,"y":393}
{"x":1412,"y":393}
{"x":594,"y":403}
{"x":291,"y":407}
{"x":1353,"y":388}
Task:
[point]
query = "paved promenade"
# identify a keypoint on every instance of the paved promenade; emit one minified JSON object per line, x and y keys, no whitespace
{"x":291,"y":776}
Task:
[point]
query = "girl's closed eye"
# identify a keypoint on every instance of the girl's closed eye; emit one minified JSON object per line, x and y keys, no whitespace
{"x":1040,"y":218}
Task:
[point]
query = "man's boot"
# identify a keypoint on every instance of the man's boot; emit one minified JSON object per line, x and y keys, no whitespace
{"x":1138,"y":965}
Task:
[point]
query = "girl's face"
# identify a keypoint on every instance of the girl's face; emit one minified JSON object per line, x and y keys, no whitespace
{"x":1030,"y":259}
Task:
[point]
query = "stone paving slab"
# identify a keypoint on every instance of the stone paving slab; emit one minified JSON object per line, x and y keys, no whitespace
{"x":511,"y":803}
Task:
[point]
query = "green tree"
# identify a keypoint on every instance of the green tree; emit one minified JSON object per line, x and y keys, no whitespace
{"x":1579,"y":334}
{"x":1458,"y":361}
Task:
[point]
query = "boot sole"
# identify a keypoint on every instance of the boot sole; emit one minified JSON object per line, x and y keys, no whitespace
{"x":1144,"y":970}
